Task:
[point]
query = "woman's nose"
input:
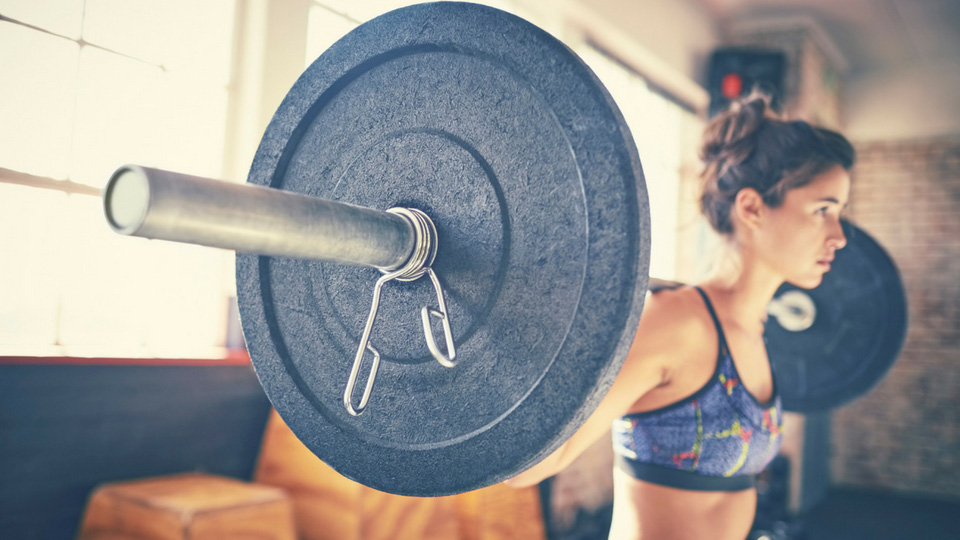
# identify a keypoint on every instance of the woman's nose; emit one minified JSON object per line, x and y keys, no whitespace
{"x":837,"y":240}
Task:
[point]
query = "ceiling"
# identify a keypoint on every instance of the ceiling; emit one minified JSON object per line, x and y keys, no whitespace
{"x":871,"y":35}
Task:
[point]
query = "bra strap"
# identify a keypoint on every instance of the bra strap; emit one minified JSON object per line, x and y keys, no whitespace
{"x":713,"y":315}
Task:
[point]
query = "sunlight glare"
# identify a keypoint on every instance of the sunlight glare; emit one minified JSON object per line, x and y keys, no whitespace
{"x":37,"y":110}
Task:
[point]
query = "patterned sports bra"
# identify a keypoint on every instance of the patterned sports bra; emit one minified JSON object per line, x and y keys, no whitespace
{"x":717,"y":439}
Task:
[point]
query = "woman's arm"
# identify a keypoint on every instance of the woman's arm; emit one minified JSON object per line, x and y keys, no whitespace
{"x":658,"y":344}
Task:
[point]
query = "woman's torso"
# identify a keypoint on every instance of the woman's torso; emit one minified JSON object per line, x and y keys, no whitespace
{"x":642,"y":510}
{"x":648,"y":510}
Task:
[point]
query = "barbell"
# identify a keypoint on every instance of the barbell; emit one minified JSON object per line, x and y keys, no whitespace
{"x":461,"y":144}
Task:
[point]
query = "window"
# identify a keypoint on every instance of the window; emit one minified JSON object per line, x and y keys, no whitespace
{"x":88,"y":87}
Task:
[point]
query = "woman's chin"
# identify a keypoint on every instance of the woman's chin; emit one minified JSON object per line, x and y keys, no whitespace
{"x":807,"y":282}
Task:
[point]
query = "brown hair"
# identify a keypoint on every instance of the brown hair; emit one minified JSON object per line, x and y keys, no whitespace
{"x":748,"y":146}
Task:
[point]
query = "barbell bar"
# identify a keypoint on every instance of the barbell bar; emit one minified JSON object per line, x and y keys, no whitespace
{"x":164,"y":205}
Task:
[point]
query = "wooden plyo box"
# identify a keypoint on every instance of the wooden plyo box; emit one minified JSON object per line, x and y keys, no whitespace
{"x":330,"y":507}
{"x":190,"y":506}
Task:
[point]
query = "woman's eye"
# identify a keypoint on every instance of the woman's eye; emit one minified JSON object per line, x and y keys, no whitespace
{"x":822,"y":211}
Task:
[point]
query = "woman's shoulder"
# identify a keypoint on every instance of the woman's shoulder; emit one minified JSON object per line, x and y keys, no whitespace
{"x":677,"y":308}
{"x":676,"y":325}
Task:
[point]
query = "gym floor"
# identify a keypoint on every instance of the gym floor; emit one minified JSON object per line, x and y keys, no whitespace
{"x":848,"y":513}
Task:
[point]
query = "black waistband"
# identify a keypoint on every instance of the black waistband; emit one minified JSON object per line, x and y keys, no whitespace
{"x":681,"y":479}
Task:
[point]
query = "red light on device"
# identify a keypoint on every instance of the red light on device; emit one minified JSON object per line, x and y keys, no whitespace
{"x":731,"y":85}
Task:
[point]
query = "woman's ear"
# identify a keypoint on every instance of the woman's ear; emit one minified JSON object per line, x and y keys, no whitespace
{"x":748,"y":208}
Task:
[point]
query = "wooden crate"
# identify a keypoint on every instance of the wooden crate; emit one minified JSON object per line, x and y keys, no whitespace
{"x":189,"y":506}
{"x":331,"y":507}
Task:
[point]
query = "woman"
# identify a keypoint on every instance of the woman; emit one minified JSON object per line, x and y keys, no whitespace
{"x":694,"y":409}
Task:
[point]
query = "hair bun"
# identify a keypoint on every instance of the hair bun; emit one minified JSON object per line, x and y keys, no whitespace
{"x":729,"y":135}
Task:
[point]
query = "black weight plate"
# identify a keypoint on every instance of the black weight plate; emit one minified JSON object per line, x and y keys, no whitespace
{"x":858,"y":332}
{"x":511,"y":145}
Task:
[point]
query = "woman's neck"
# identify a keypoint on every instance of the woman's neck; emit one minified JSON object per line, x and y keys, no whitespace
{"x":745,"y":286}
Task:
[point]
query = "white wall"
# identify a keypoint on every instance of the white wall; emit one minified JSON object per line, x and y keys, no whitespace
{"x":666,"y":41}
{"x":682,"y":33}
{"x":895,"y":103}
{"x":912,"y":103}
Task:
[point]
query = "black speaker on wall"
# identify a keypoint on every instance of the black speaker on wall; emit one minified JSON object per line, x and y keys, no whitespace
{"x":736,"y":71}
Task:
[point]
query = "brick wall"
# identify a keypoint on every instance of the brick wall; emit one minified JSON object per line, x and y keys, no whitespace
{"x":905,"y":434}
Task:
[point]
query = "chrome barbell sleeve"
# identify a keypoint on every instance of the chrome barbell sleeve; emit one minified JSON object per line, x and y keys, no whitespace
{"x":158,"y":204}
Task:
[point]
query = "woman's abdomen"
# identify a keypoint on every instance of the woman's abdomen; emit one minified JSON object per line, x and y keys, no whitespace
{"x":642,"y":510}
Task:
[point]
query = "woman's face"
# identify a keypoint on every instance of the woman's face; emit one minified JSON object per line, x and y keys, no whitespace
{"x":798,"y":238}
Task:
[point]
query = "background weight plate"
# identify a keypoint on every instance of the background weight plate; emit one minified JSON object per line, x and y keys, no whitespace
{"x":860,"y":325}
{"x":512,"y":146}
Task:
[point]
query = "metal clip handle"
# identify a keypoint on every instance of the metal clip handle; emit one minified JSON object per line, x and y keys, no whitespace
{"x":425,"y":313}
{"x":364,"y":346}
{"x":445,"y":360}
{"x":352,"y":381}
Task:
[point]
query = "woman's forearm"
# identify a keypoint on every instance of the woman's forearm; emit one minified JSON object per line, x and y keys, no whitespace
{"x":550,"y":466}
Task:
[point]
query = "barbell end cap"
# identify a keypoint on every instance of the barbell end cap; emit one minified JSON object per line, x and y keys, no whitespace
{"x":126,"y":199}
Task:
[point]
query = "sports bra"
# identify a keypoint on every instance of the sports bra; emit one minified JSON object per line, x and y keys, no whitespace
{"x":717,"y":439}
